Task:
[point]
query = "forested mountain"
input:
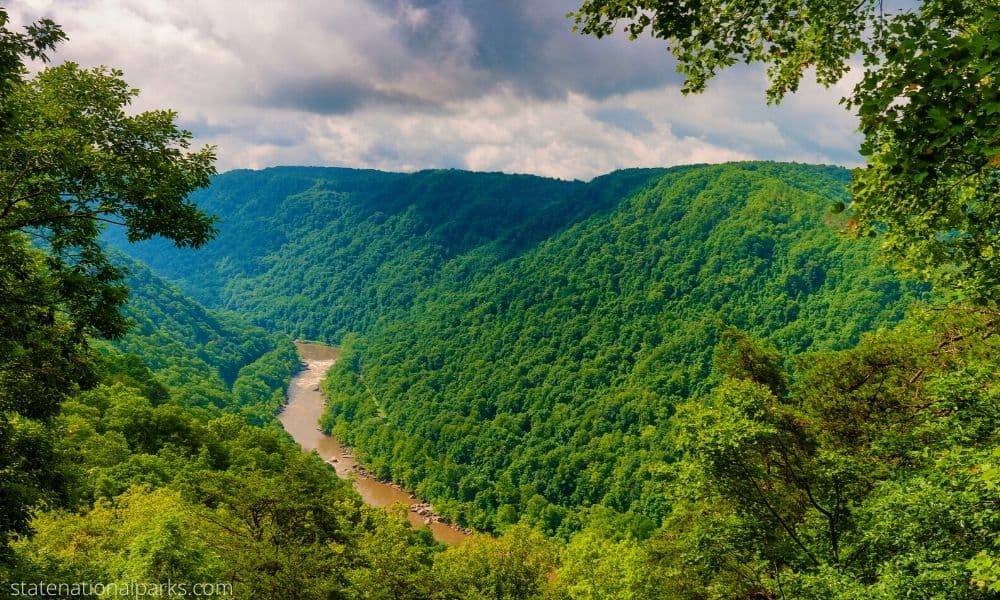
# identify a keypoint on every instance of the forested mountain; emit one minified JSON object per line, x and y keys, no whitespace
{"x":211,"y":359}
{"x":523,"y":340}
{"x":321,"y":252}
{"x":667,"y":372}
{"x":172,"y":480}
{"x":163,"y":476}
{"x":548,"y":383}
{"x":599,"y":381}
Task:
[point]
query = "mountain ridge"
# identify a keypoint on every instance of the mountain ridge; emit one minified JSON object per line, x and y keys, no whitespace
{"x":497,"y":311}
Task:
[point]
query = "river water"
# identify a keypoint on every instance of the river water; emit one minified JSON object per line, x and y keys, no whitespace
{"x":300,"y":418}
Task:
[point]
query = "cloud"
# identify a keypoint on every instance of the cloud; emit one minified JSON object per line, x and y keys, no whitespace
{"x":527,"y":46}
{"x":581,"y":137}
{"x":412,"y":84}
{"x":627,"y":119}
{"x":339,"y":95}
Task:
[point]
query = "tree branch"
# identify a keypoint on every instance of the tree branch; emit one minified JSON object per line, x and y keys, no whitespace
{"x":774,"y":513}
{"x":804,"y":486}
{"x":43,"y":221}
{"x":15,"y":201}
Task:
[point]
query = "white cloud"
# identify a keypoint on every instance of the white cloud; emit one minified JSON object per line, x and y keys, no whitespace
{"x":502,"y":133}
{"x":393,"y":84}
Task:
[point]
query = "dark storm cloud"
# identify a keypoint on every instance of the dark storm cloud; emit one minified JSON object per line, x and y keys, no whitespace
{"x":472,"y":48}
{"x":336,"y":95}
{"x":624,"y":118}
{"x":529,"y":45}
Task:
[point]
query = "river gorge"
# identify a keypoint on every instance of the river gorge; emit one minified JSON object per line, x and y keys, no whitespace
{"x":300,"y":418}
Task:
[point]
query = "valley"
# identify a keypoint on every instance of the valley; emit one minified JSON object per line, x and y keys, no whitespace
{"x":575,"y":328}
{"x":596,"y":390}
{"x":301,"y":416}
{"x":528,"y":339}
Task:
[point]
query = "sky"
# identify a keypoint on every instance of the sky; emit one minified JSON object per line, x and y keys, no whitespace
{"x":403,"y":85}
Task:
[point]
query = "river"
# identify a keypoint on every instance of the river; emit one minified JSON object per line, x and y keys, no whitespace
{"x":300,"y":418}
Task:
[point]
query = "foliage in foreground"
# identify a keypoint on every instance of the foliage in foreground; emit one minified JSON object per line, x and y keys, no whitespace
{"x":73,"y":158}
{"x":928,"y":104}
{"x":868,"y":478}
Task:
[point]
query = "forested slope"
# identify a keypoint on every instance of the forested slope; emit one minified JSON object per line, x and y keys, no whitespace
{"x":877,"y":466}
{"x":524,"y":340}
{"x":169,"y":478}
{"x":547,"y":384}
{"x":602,"y":382}
{"x":172,"y":470}
{"x":318,"y":252}
{"x":170,"y":330}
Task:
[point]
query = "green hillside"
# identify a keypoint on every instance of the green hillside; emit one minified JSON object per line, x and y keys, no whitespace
{"x":320,"y":252}
{"x":172,"y":467}
{"x":547,"y":384}
{"x":676,"y":385}
{"x":379,"y":252}
{"x":210,"y":359}
{"x":163,"y":475}
{"x":524,"y":340}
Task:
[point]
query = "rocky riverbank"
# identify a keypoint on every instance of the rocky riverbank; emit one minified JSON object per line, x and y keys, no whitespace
{"x":300,"y":417}
{"x":424,"y":510}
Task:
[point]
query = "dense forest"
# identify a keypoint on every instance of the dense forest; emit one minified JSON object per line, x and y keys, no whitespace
{"x":385,"y":238}
{"x":547,"y":385}
{"x":173,"y":469}
{"x":705,"y":349}
{"x":171,"y":481}
{"x":701,"y":382}
{"x":706,"y":385}
{"x":522,"y":342}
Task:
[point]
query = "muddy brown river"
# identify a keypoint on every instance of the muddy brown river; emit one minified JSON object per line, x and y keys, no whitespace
{"x":300,"y":418}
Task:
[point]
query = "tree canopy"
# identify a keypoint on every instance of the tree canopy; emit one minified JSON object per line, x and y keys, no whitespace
{"x":74,"y":159}
{"x":927,"y":101}
{"x":533,"y":350}
{"x":524,"y":339}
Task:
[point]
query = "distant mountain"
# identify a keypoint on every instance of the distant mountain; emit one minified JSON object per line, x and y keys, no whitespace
{"x":208,"y":358}
{"x":319,"y":252}
{"x":523,"y":340}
